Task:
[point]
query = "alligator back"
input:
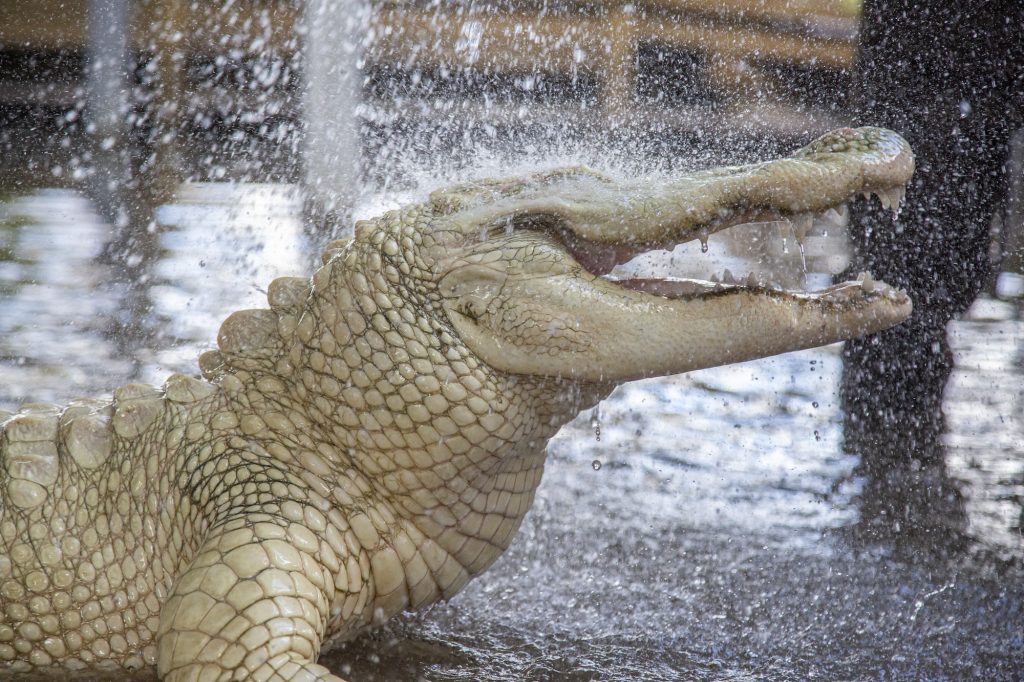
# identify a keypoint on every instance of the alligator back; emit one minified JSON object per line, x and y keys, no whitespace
{"x":91,"y":526}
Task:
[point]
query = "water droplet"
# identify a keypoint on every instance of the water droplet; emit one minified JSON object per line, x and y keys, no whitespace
{"x":703,"y":234}
{"x":596,"y":464}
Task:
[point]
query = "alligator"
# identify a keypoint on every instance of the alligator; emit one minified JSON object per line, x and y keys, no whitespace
{"x":374,"y":438}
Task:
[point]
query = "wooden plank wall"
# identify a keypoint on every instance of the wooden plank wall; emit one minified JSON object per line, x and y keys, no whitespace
{"x":743,"y":57}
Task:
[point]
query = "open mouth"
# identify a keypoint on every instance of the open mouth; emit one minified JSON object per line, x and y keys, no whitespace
{"x":604,"y":259}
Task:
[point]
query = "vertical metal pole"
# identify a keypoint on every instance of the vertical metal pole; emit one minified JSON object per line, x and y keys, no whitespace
{"x":335,"y":30}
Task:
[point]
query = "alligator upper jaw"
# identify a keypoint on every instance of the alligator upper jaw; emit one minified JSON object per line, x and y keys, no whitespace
{"x":610,"y":227}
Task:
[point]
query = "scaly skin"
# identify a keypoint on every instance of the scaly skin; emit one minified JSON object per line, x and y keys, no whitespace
{"x":374,"y":439}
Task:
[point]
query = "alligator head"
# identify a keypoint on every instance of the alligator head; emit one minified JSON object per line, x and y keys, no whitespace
{"x":521,"y":266}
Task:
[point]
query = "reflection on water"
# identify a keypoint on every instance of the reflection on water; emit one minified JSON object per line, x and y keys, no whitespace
{"x":711,"y":542}
{"x":57,"y":302}
{"x":985,"y":412}
{"x":219,"y":246}
{"x":222,"y":245}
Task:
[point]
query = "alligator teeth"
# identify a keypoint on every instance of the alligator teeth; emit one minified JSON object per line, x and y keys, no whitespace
{"x":714,"y":279}
{"x":866,"y":282}
{"x":896,"y":197}
{"x":802,"y":225}
{"x":833,"y":217}
{"x":884,"y":199}
{"x":752,"y":281}
{"x":727,"y":277}
{"x":891,"y":199}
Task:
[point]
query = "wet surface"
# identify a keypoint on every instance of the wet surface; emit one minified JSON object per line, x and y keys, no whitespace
{"x":705,"y":527}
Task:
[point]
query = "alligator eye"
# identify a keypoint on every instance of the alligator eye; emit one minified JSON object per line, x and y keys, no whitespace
{"x":472,"y":307}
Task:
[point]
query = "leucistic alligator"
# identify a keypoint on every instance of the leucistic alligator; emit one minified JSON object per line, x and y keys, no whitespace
{"x":373,"y":439}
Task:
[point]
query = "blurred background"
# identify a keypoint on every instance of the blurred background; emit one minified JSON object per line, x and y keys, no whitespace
{"x":162,"y":160}
{"x":227,"y":90}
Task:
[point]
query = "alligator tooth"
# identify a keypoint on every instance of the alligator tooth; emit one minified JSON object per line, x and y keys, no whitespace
{"x":752,"y":280}
{"x":834,"y":217}
{"x":884,"y":198}
{"x":727,"y":277}
{"x":802,"y":225}
{"x":714,"y":278}
{"x":866,"y":194}
{"x":866,"y":282}
{"x":897,"y":196}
